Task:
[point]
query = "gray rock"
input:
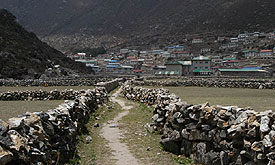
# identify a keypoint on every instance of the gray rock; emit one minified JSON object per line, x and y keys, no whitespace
{"x":3,"y":127}
{"x":264,"y":127}
{"x":171,"y":146}
{"x":5,"y":156}
{"x":88,"y":139}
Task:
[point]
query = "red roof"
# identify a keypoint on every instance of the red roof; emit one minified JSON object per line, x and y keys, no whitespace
{"x":265,"y":51}
{"x":138,"y":70}
{"x":130,"y":57}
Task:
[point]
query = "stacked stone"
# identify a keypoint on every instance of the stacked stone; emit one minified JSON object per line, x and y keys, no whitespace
{"x":53,"y":82}
{"x":47,"y":137}
{"x":210,"y":134}
{"x":213,"y":82}
{"x":110,"y":85}
{"x":40,"y":95}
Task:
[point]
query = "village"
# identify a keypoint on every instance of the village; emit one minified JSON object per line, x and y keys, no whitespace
{"x":244,"y":55}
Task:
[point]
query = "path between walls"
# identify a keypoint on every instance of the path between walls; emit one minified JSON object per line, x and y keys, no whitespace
{"x":113,"y":134}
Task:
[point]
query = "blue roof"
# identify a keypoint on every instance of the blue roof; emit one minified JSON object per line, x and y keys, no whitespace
{"x":171,"y":47}
{"x":178,"y":46}
{"x":112,"y":66}
{"x":252,"y":68}
{"x":113,"y":61}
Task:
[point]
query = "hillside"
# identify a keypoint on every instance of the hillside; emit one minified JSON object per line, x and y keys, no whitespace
{"x":110,"y":22}
{"x":23,"y":55}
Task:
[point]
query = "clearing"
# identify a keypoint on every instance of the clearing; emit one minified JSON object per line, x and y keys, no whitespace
{"x":257,"y":99}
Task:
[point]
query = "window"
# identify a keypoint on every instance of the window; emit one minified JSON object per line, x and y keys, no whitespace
{"x":196,"y":67}
{"x":206,"y":62}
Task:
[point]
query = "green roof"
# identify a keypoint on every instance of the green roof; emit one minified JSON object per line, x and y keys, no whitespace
{"x":241,"y":70}
{"x":247,"y":51}
{"x":201,"y":70}
{"x":200,"y":58}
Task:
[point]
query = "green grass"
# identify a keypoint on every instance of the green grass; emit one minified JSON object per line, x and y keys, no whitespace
{"x":145,"y":145}
{"x":10,"y":109}
{"x":50,"y":88}
{"x":97,"y":151}
{"x":257,"y":99}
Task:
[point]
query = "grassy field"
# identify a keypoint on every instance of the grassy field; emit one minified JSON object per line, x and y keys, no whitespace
{"x":143,"y":144}
{"x":257,"y":99}
{"x":10,"y":109}
{"x":5,"y":89}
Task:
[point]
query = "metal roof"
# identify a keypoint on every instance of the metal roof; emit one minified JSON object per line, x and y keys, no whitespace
{"x":178,"y":63}
{"x":201,"y":70}
{"x":242,"y":70}
{"x":200,"y":58}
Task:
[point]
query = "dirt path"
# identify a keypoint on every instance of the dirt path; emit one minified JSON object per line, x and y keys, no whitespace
{"x":113,"y":134}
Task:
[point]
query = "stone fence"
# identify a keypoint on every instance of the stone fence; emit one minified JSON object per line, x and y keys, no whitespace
{"x":110,"y":85}
{"x":210,"y":135}
{"x":40,"y":95}
{"x":48,"y":137}
{"x":211,"y":82}
{"x":53,"y":82}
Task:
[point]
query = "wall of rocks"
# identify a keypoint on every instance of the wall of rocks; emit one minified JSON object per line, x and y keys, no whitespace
{"x":212,"y":82}
{"x":54,"y":82}
{"x":209,"y":134}
{"x":110,"y":85}
{"x":48,"y":137}
{"x":40,"y":95}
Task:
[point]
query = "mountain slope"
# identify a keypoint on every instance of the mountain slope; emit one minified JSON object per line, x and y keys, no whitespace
{"x":23,"y":55}
{"x":125,"y":18}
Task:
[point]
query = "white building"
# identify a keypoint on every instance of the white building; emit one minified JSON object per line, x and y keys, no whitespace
{"x":266,"y":53}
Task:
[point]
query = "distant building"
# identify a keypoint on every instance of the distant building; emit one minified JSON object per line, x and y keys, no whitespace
{"x":266,"y":53}
{"x":250,"y":53}
{"x":179,"y":68}
{"x":79,"y":56}
{"x":124,"y":51}
{"x":197,"y":41}
{"x":234,"y":40}
{"x":201,"y":65}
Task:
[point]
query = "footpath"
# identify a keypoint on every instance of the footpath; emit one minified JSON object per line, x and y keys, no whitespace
{"x":112,"y":133}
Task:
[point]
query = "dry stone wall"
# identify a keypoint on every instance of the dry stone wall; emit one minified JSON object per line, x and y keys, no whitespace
{"x":211,"y":82}
{"x":110,"y":85}
{"x":53,"y":82}
{"x":40,"y":95}
{"x":48,"y":137}
{"x":211,"y":135}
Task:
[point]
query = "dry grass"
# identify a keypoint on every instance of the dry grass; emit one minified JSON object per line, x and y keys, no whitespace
{"x":144,"y":145}
{"x":50,"y":88}
{"x":97,"y":151}
{"x":257,"y":99}
{"x":10,"y":109}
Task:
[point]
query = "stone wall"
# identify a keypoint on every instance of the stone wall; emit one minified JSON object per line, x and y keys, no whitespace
{"x":53,"y":82}
{"x":48,"y":137}
{"x":40,"y":95}
{"x":211,"y":135}
{"x":110,"y":85}
{"x":211,"y":82}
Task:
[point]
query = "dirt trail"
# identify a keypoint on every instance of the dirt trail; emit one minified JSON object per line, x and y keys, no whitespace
{"x":113,"y":134}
